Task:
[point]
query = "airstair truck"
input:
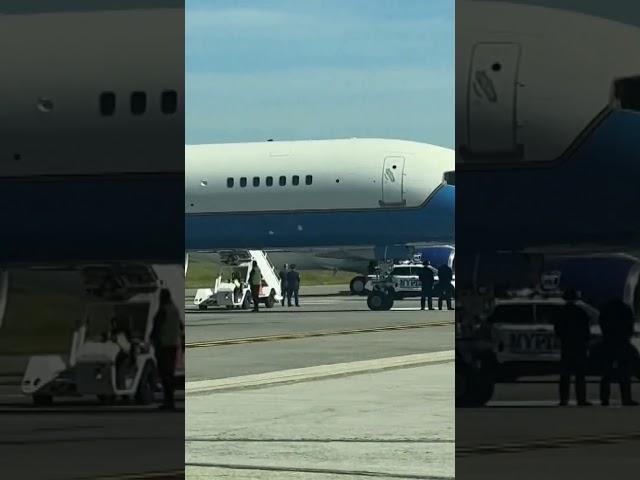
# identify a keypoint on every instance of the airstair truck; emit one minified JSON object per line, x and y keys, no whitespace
{"x":96,"y":365}
{"x":232,"y":288}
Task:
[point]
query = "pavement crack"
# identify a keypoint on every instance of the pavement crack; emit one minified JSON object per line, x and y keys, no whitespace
{"x":325,"y":471}
{"x":297,"y":336}
{"x":322,"y":440}
{"x":546,"y":444}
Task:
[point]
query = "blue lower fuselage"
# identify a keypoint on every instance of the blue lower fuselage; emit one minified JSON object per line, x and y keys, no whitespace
{"x":432,"y":222}
{"x":588,"y":199}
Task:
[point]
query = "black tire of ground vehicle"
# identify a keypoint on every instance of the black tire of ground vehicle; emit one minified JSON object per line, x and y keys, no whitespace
{"x":246,"y":302}
{"x":356,"y":286}
{"x":146,"y":387}
{"x":377,"y":300}
{"x":388,"y":303}
{"x":202,"y":307}
{"x":229,"y":307}
{"x":42,"y":400}
{"x":270,"y":301}
{"x":472,"y":390}
{"x":107,"y":399}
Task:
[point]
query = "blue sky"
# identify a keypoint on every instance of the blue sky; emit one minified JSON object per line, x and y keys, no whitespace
{"x":312,"y":69}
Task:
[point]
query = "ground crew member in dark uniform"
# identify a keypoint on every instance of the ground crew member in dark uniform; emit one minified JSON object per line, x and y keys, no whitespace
{"x":618,"y":354}
{"x":572,"y":328}
{"x":255,"y":279}
{"x":426,"y":275}
{"x":445,"y":276}
{"x":293,"y":285}
{"x":167,"y":333}
{"x":283,"y":282}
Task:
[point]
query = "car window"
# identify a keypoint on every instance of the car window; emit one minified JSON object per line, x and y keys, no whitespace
{"x":545,"y":314}
{"x":402,"y":271}
{"x":514,"y":314}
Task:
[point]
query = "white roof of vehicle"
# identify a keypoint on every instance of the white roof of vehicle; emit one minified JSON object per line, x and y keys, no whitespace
{"x":541,"y":300}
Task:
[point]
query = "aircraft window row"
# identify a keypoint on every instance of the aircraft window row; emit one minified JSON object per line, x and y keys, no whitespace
{"x":269,"y":181}
{"x":138,"y":103}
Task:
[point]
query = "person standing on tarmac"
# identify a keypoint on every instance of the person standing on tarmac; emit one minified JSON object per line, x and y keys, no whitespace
{"x":293,"y":285}
{"x":616,"y":324}
{"x":255,"y":279}
{"x":426,"y":276}
{"x":445,"y":276}
{"x":167,"y":333}
{"x":572,"y":328}
{"x":283,"y":282}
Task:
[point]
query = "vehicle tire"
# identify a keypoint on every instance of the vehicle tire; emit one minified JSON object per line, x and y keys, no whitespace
{"x":146,"y":386}
{"x":107,"y":399}
{"x":270,"y":301}
{"x":246,"y":302}
{"x":356,"y":286}
{"x":376,"y":301}
{"x":42,"y":400}
{"x":229,"y":307}
{"x":202,"y":307}
{"x":483,"y":389}
{"x":472,"y":390}
{"x":388,"y":303}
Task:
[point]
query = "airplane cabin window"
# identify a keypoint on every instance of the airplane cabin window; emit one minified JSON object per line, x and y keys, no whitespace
{"x":308,"y":180}
{"x":107,"y":103}
{"x":295,"y":180}
{"x":169,"y":102}
{"x":269,"y":181}
{"x":256,"y":181}
{"x":283,"y":181}
{"x":243,"y":181}
{"x":138,"y":103}
{"x":230,"y":182}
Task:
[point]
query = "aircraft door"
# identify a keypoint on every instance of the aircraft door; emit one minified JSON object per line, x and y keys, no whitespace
{"x":491,"y":97}
{"x":392,"y":182}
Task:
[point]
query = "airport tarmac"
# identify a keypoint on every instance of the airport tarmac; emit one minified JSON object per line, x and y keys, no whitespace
{"x":394,"y":423}
{"x":346,"y":331}
{"x":82,"y":439}
{"x":523,"y":429}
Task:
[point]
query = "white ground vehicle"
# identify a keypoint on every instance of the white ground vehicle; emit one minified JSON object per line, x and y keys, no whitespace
{"x":99,"y":363}
{"x":396,"y":282}
{"x":523,"y":336}
{"x":232,"y":289}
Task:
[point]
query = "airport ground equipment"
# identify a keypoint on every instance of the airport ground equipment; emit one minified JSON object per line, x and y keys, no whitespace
{"x":232,"y":288}
{"x":475,"y":359}
{"x":437,"y":255}
{"x":97,"y":365}
{"x":93,"y":366}
{"x":501,"y":340}
{"x":396,"y":282}
{"x":522,"y":331}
